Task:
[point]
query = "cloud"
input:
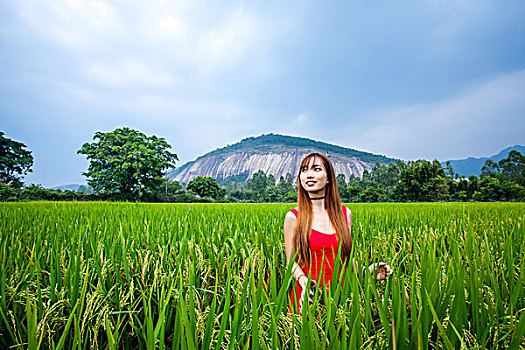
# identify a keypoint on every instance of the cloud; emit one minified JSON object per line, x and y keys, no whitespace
{"x":229,"y":40}
{"x":128,"y":74}
{"x":163,"y":26}
{"x":301,"y":118}
{"x":477,"y":122}
{"x":75,"y":24}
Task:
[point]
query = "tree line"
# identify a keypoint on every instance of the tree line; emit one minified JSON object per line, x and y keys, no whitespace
{"x":127,"y":165}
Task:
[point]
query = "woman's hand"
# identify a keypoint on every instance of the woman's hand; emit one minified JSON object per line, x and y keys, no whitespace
{"x":382,"y":269}
{"x":303,"y":281}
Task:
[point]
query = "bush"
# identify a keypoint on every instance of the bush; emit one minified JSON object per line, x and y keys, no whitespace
{"x":7,"y":193}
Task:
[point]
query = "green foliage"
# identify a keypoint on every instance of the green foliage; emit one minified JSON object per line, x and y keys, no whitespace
{"x":15,"y":161}
{"x":272,"y":194}
{"x":180,"y":276}
{"x":7,"y":193}
{"x":290,"y":197}
{"x":415,"y":181}
{"x":353,"y":193}
{"x":125,"y":164}
{"x":262,"y":188}
{"x":492,"y":189}
{"x":421,"y":181}
{"x":372,"y":195}
{"x":387,"y":176}
{"x":511,"y":168}
{"x":286,"y":183}
{"x":35,"y":192}
{"x":342,"y":188}
{"x":205,"y":186}
{"x":258,"y":182}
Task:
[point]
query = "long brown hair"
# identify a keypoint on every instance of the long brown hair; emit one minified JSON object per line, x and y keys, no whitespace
{"x":303,"y":226}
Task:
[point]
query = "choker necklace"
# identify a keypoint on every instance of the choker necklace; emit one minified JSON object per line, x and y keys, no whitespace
{"x":317,"y":198}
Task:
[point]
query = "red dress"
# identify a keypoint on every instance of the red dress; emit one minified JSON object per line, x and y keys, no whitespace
{"x":321,"y":270}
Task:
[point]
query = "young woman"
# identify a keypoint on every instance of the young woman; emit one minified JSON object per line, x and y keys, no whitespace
{"x":313,"y":230}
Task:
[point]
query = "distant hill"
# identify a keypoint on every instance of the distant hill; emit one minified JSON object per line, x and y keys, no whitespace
{"x":68,"y":187}
{"x":472,"y":166}
{"x":274,"y":154}
{"x":73,"y":187}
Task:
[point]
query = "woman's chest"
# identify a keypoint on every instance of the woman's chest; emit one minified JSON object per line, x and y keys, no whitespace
{"x":323,"y":242}
{"x":321,"y":222}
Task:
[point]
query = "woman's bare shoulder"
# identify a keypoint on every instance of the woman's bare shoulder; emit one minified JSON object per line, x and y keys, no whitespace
{"x":290,"y":215}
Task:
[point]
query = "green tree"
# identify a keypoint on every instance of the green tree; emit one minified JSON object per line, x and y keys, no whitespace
{"x":7,"y":193}
{"x":126,"y":164}
{"x":490,"y":168}
{"x":15,"y":161}
{"x":422,"y":180}
{"x":372,"y":195}
{"x":205,"y":186}
{"x":290,"y":197}
{"x":342,"y":187}
{"x":273,"y":193}
{"x":386,"y":177}
{"x":257,"y":184}
{"x":353,"y":192}
{"x":286,"y":183}
{"x":513,"y":167}
{"x":492,"y":189}
{"x":473,"y":185}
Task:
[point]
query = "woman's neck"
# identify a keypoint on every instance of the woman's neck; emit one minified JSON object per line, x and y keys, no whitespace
{"x":318,"y":201}
{"x":318,"y":205}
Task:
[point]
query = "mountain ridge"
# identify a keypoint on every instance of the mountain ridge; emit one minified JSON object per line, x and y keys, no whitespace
{"x":274,"y":154}
{"x":472,"y":166}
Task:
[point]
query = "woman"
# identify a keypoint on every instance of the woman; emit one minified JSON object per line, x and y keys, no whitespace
{"x":313,"y":230}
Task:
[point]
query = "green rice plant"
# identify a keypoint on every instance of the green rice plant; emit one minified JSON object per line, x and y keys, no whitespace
{"x":182,"y":276}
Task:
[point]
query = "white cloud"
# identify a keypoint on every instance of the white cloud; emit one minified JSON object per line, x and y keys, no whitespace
{"x":163,"y":26}
{"x":129,"y":73}
{"x":485,"y":119}
{"x":75,"y":24}
{"x":198,"y":40}
{"x":301,"y":118}
{"x":230,"y":41}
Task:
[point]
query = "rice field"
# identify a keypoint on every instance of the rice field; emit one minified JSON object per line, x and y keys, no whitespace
{"x":180,"y":276}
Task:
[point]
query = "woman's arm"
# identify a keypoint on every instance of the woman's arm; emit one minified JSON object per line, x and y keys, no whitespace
{"x":298,"y":273}
{"x":289,"y":226}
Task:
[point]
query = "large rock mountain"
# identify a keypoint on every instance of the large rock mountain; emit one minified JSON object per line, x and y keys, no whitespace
{"x":273,"y":154}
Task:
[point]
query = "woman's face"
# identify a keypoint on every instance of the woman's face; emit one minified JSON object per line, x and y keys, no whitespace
{"x":314,"y":177}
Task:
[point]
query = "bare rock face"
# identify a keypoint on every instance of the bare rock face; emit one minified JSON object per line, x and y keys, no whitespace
{"x":271,"y":161}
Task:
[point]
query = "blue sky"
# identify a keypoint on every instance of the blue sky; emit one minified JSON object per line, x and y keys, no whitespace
{"x":428,"y":79}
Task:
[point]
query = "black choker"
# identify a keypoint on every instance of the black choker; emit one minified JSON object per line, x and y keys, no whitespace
{"x":317,"y":198}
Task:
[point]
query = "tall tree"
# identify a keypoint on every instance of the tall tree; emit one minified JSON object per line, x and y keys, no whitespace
{"x":341,"y":187}
{"x":257,"y":182}
{"x":286,"y":183}
{"x":15,"y":161}
{"x":511,"y":168}
{"x":422,"y":180}
{"x":205,"y":186}
{"x":127,"y":164}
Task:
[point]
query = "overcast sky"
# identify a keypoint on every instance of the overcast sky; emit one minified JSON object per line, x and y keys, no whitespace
{"x":415,"y":79}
